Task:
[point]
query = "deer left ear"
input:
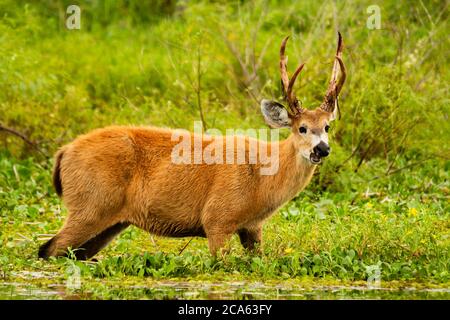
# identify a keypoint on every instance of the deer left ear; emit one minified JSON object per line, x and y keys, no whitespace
{"x":275,"y":114}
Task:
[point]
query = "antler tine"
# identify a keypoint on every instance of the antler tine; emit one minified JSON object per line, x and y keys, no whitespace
{"x":340,"y":46}
{"x":283,"y":67}
{"x":341,"y":81}
{"x":334,"y":88}
{"x":289,"y":84}
{"x":292,"y":81}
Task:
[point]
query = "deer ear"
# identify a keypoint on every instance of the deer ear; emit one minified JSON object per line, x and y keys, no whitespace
{"x":275,"y":114}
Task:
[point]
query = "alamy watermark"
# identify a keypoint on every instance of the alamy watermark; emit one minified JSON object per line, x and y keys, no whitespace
{"x":374,"y":20}
{"x":73,"y":20}
{"x":374,"y":276}
{"x":73,"y":281}
{"x":250,"y":146}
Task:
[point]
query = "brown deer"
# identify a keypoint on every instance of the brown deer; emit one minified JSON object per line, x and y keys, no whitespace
{"x":119,"y":176}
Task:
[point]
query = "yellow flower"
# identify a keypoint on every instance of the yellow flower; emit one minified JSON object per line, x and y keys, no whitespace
{"x":369,"y":205}
{"x":288,"y":250}
{"x":412,"y":212}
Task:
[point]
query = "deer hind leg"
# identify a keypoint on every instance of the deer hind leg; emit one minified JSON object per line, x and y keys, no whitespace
{"x":88,"y":249}
{"x":94,"y":232}
{"x":251,"y":237}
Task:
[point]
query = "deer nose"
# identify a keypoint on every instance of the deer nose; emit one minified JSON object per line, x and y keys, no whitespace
{"x":322,"y":149}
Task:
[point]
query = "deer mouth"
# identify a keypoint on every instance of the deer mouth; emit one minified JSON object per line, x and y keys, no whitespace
{"x":315,"y":158}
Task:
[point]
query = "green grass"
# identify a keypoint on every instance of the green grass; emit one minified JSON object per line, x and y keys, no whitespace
{"x":381,"y":199}
{"x":401,"y":226}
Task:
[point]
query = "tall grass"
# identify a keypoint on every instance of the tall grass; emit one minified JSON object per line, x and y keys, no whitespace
{"x":139,"y":64}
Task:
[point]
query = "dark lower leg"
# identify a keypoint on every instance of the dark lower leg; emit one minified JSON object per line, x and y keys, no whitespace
{"x":91,"y":247}
{"x":250,"y":238}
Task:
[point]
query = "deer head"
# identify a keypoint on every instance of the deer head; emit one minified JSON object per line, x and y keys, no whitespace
{"x":309,"y":127}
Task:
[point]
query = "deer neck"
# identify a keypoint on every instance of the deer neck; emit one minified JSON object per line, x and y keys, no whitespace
{"x":293,"y":175}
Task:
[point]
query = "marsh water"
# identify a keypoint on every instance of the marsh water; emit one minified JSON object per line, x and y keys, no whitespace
{"x":238,"y":290}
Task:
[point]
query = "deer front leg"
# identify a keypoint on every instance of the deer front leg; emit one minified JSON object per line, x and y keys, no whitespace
{"x":217,"y":241}
{"x":251,"y":238}
{"x":218,"y":233}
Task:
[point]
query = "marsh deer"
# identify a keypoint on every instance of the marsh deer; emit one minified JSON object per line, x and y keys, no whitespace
{"x":119,"y":176}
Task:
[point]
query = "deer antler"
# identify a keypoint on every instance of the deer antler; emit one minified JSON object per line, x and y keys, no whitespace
{"x":330,"y":100}
{"x":287,"y":84}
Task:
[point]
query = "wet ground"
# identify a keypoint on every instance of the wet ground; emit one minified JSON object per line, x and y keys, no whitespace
{"x":238,"y":290}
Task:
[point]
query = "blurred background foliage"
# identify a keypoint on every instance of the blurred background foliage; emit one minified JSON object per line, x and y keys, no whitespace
{"x":168,"y":63}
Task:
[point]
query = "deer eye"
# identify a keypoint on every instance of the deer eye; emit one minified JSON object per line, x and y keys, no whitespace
{"x":327,"y":127}
{"x":302,"y":129}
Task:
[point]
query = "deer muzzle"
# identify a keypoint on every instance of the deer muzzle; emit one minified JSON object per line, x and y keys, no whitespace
{"x":320,"y":151}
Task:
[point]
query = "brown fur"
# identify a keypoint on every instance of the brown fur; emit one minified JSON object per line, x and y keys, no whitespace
{"x":56,"y":172}
{"x":117,"y":176}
